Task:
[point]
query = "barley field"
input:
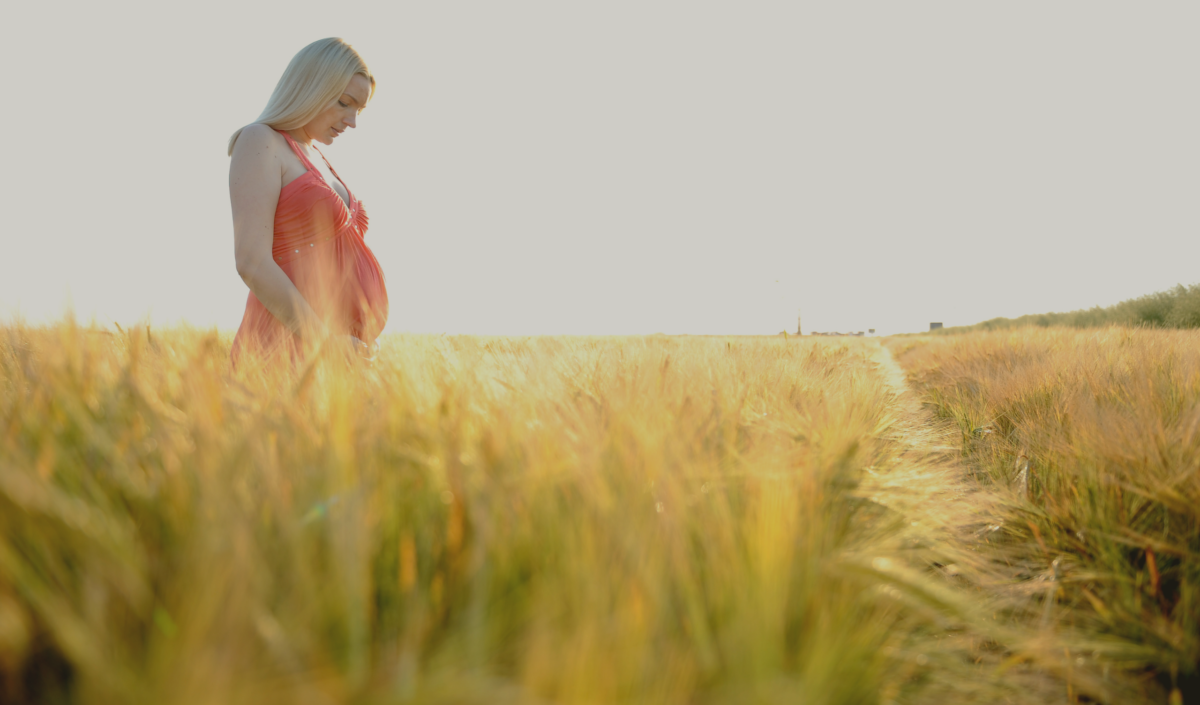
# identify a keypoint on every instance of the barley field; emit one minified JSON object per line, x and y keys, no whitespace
{"x":985,"y":518}
{"x":1094,"y":438}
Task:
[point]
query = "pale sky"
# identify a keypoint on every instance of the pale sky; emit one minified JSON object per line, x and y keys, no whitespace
{"x":625,"y":167}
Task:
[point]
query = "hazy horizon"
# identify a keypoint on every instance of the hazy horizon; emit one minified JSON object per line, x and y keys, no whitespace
{"x":535,"y":168}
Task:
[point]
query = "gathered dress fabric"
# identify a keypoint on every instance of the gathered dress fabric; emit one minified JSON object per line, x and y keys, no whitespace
{"x":319,"y":243}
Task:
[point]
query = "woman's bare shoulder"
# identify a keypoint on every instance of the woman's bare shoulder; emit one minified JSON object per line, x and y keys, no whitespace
{"x":258,"y":161}
{"x":258,"y":140}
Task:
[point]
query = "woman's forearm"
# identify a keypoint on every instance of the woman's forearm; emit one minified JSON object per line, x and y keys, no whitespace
{"x":279,"y":295}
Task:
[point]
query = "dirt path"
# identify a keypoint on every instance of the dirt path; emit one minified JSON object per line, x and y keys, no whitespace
{"x":929,"y":484}
{"x":922,"y":431}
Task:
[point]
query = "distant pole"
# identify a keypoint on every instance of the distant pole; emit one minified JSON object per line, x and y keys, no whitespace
{"x":798,"y":325}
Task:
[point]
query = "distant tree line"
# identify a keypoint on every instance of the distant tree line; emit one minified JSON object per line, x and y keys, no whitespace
{"x":1174,"y":308}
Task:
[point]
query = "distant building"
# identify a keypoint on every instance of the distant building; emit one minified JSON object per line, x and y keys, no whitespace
{"x":934,"y":326}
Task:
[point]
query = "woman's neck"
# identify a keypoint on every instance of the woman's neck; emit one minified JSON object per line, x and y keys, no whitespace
{"x":300,"y":136}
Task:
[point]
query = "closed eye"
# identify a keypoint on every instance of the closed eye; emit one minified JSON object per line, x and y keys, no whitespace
{"x":343,"y":104}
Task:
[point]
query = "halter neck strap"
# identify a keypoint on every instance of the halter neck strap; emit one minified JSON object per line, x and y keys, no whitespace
{"x":331,"y":169}
{"x":299,"y":152}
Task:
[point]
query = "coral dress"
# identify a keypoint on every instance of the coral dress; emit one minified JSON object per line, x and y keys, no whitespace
{"x":319,"y":245}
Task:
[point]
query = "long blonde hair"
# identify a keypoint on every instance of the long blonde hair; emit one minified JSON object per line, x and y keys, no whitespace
{"x":316,"y":75}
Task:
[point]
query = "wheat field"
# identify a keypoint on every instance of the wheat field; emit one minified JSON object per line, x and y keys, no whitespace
{"x":597,"y":520}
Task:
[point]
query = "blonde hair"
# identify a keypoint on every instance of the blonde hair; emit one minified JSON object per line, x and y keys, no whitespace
{"x":316,"y":75}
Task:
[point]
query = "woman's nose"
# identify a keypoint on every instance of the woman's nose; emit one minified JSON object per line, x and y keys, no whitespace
{"x":350,"y":121}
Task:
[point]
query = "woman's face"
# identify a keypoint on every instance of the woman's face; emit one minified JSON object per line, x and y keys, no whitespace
{"x":341,"y":113}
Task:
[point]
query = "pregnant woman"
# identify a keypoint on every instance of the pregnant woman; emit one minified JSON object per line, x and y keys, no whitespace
{"x":297,"y":228}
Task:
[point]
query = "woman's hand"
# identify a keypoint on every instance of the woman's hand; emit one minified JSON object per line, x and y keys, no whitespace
{"x":365,"y":351}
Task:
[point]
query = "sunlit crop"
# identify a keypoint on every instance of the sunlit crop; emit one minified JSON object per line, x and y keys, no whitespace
{"x":576,"y":520}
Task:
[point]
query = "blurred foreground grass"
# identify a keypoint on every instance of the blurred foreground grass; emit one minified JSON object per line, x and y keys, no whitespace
{"x":474,"y":520}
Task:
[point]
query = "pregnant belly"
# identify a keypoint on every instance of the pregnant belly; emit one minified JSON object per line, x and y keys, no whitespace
{"x":344,"y":284}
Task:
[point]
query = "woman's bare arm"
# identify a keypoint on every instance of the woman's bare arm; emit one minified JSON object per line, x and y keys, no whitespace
{"x":255,"y":175}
